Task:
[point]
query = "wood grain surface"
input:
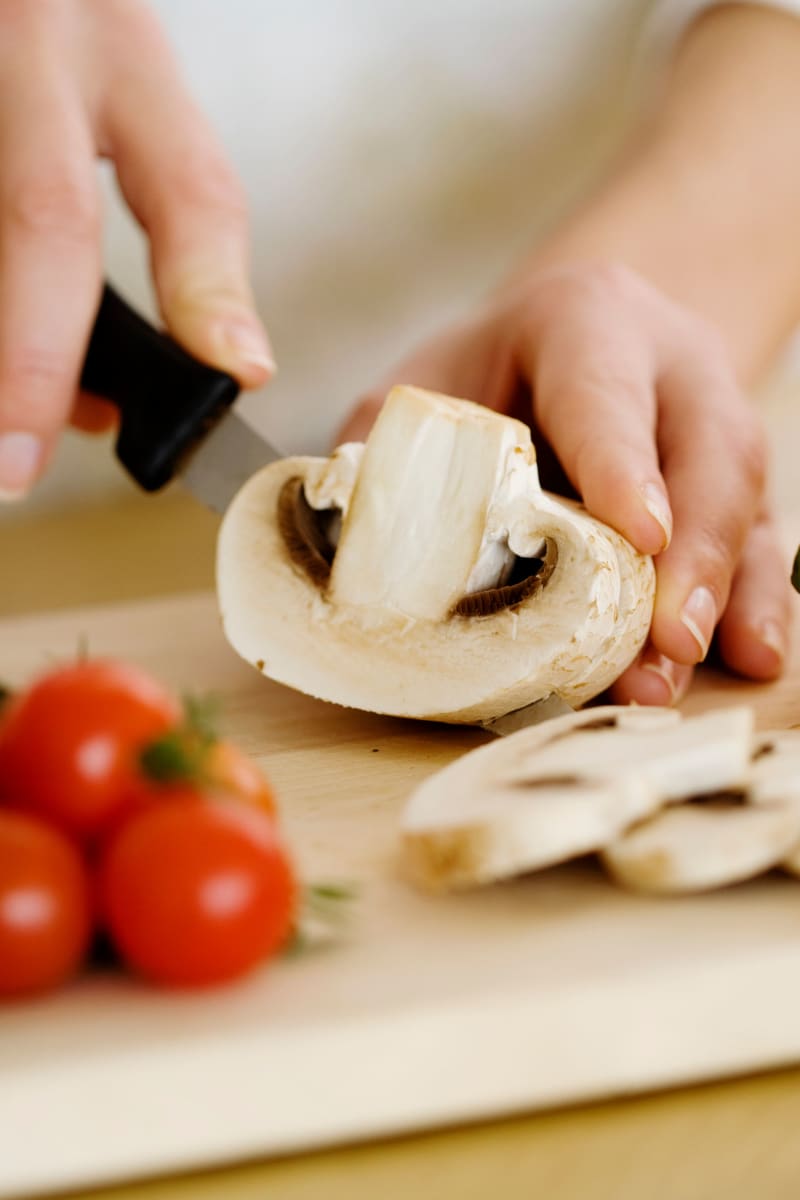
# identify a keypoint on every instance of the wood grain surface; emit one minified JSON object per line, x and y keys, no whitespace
{"x":736,"y":1139}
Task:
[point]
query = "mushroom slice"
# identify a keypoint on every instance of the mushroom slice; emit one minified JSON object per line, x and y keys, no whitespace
{"x":777,"y":760}
{"x":698,"y":847}
{"x":721,"y":838}
{"x":427,"y":574}
{"x":559,"y":790}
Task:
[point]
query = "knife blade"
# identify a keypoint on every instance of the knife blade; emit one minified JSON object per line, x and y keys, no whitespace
{"x":546,"y":709}
{"x":176,"y":413}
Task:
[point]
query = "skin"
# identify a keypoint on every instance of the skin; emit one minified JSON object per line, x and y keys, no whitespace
{"x":635,"y":330}
{"x":82,"y":79}
{"x":631,"y":334}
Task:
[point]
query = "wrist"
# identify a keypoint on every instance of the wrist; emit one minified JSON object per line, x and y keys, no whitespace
{"x":704,"y":204}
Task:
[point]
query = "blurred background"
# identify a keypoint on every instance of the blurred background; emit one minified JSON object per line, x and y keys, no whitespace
{"x":399,"y":158}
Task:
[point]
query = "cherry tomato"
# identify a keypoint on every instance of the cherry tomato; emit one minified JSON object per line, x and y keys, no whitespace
{"x":69,"y":743}
{"x":182,"y":770}
{"x":184,"y":758}
{"x":44,"y":906}
{"x":196,"y":892}
{"x":228,"y":770}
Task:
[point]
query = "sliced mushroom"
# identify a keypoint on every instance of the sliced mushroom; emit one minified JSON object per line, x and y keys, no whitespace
{"x":559,"y":790}
{"x":719,"y":839}
{"x":427,"y":575}
{"x":698,"y":847}
{"x":777,"y":759}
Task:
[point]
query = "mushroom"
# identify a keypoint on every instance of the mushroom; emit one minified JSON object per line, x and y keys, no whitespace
{"x":573,"y":785}
{"x":427,"y":574}
{"x":705,"y":845}
{"x":719,"y":839}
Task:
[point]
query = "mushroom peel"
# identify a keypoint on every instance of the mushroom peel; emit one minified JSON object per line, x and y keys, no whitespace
{"x":427,"y":574}
{"x":573,"y":785}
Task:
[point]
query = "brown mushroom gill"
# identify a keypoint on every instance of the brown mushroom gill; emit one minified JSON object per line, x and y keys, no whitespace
{"x":302,"y":530}
{"x":305,"y":534}
{"x":528,"y":576}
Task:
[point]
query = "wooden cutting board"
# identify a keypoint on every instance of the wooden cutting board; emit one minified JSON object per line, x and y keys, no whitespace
{"x":551,"y":989}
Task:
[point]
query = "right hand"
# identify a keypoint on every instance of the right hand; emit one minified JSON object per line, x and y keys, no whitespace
{"x":638,"y":400}
{"x":80,"y":79}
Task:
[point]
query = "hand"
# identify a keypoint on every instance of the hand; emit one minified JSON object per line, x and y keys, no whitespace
{"x":637,"y":399}
{"x":78,"y":80}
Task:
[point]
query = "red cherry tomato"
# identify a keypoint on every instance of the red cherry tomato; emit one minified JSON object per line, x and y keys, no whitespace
{"x":44,"y":906}
{"x":217,"y":770}
{"x":228,"y":770}
{"x":69,"y":743}
{"x":196,"y":892}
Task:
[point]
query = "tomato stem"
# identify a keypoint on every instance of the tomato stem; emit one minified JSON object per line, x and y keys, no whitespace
{"x":170,"y":760}
{"x":179,"y":755}
{"x":325,"y":909}
{"x":201,"y":717}
{"x":322,"y":895}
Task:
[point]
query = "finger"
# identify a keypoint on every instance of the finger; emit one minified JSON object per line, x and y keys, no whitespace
{"x":50,"y":260}
{"x":714,"y":462}
{"x":359,"y":422}
{"x":431,"y":367}
{"x":595,"y":402}
{"x":754,"y":631}
{"x":178,"y":183}
{"x":469,"y":360}
{"x":652,"y":679}
{"x":92,"y":414}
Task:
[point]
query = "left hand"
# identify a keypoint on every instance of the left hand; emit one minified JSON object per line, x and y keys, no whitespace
{"x":639,"y":402}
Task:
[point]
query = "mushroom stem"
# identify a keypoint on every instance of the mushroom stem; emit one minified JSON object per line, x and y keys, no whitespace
{"x":416,"y":529}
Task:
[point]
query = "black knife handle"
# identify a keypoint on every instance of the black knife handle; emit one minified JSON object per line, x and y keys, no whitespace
{"x":167,"y":400}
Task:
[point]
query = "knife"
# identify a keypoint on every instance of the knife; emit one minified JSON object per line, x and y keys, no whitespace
{"x":546,"y":709}
{"x":177,"y":418}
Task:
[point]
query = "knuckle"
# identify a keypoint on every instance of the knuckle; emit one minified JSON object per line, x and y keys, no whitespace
{"x":592,"y":302}
{"x":733,"y":432}
{"x":600,"y":283}
{"x":130,"y":21}
{"x":612,"y":278}
{"x":707,"y":344}
{"x":55,"y":202}
{"x":717,"y":542}
{"x":36,"y":363}
{"x":36,"y":387}
{"x":203,"y":179}
{"x":749,"y":451}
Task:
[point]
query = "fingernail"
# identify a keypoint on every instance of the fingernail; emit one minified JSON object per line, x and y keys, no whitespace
{"x":657,"y":505}
{"x":772,"y":635}
{"x":699,"y":616}
{"x":20,"y":459}
{"x":664,"y":668}
{"x":245,"y":344}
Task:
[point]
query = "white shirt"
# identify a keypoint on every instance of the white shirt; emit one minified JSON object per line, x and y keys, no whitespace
{"x":399,"y":156}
